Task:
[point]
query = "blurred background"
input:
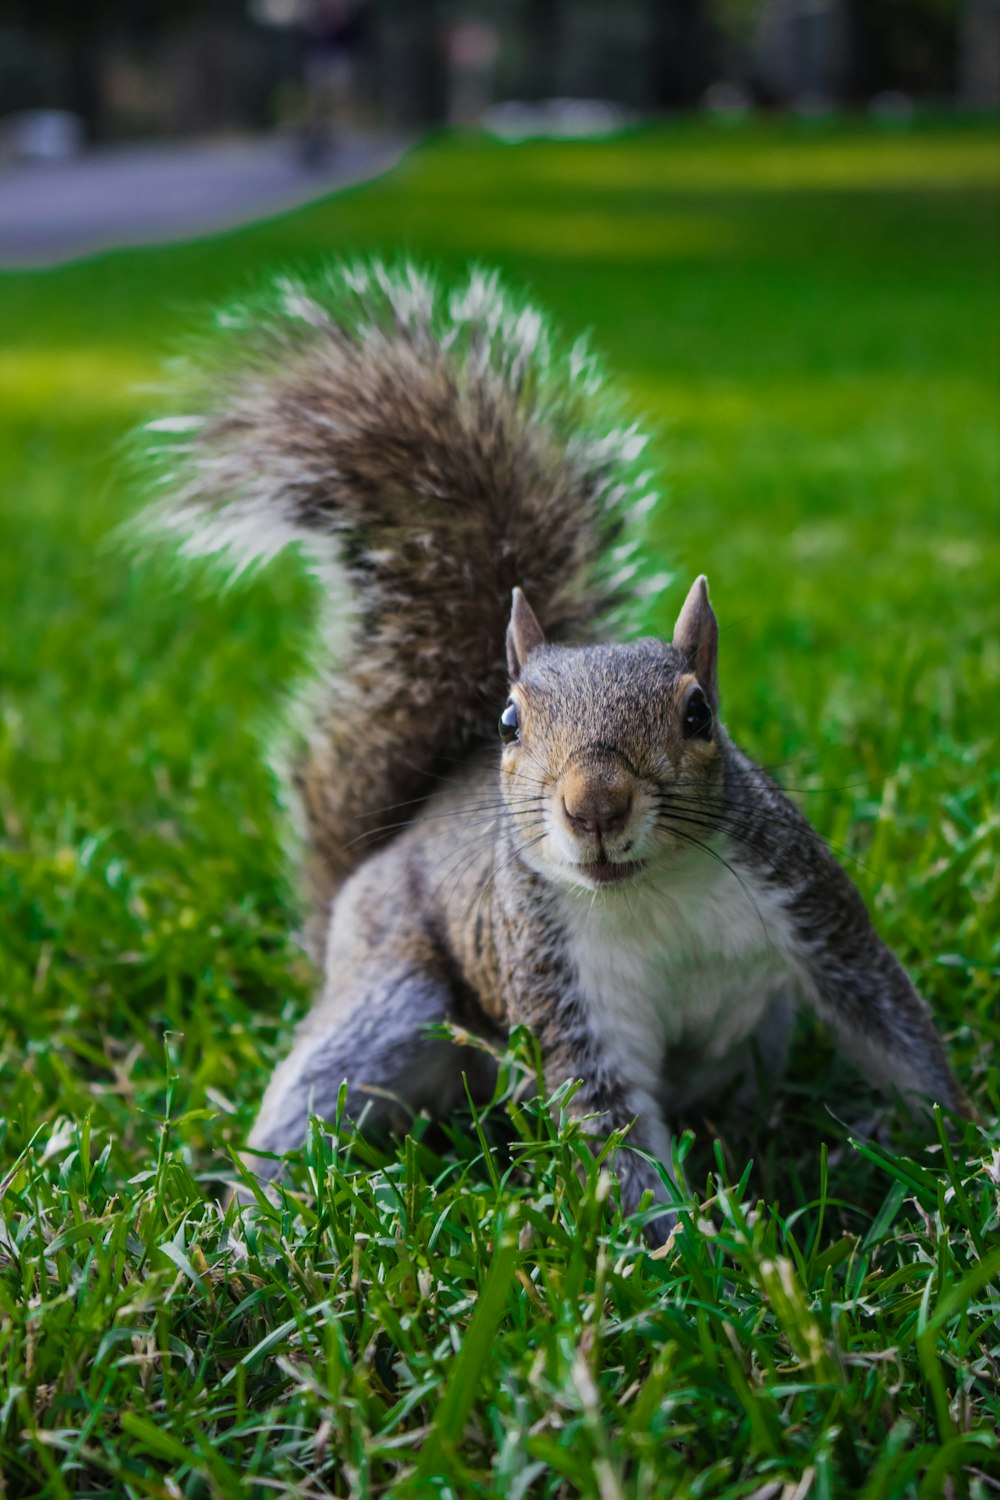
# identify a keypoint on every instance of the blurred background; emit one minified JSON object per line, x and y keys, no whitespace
{"x":189,"y":115}
{"x":127,"y":68}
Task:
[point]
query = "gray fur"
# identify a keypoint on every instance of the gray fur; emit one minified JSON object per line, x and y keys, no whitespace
{"x":621,"y":877}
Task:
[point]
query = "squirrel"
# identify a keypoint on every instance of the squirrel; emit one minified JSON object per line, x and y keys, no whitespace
{"x":611,"y":870}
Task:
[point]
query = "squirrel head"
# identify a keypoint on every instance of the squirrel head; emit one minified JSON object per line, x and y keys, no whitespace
{"x":612,"y":762}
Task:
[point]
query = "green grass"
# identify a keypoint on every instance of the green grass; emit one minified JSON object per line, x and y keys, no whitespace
{"x":808,"y":318}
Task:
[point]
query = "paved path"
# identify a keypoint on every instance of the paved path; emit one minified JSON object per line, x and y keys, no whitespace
{"x":133,"y":195}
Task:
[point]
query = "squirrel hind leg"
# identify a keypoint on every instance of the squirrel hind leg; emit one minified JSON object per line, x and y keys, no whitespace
{"x":379,"y":1042}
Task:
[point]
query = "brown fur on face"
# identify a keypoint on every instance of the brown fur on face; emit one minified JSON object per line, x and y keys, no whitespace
{"x":601,"y":771}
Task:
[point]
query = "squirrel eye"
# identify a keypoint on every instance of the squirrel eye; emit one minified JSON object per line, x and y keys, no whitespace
{"x":509,"y":723}
{"x":697,"y":720}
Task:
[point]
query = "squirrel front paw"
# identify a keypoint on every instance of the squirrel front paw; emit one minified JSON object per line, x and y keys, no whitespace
{"x":637,"y":1178}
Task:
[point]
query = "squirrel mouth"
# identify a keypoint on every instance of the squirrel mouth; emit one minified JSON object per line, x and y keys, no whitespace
{"x":607,"y":872}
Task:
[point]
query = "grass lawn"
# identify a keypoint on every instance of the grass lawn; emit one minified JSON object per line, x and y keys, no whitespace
{"x":808,"y":319}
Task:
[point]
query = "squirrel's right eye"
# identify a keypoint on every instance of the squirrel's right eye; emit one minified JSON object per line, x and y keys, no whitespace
{"x":509,"y":723}
{"x":697,"y":720}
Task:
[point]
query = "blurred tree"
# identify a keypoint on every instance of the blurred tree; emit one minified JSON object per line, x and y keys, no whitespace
{"x":911,"y":45}
{"x":412,"y":65}
{"x":685,"y":51}
{"x":79,"y":34}
{"x":540,"y":22}
{"x":194,"y":65}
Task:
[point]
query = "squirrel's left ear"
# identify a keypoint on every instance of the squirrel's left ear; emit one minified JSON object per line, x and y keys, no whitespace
{"x":696,"y":634}
{"x":523,"y":634}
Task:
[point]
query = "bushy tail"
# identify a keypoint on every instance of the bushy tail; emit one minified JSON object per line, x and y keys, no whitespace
{"x":429,"y":450}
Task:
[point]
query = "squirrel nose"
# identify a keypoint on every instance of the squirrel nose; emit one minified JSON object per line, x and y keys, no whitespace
{"x":597,"y":798}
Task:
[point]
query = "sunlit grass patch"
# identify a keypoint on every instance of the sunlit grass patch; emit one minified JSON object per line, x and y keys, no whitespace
{"x":68,"y":381}
{"x":803,"y":316}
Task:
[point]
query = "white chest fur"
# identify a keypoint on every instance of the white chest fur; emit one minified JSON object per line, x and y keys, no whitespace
{"x":688,"y":962}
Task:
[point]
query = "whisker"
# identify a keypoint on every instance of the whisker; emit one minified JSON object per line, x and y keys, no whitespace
{"x":707,"y":849}
{"x":727,"y":817}
{"x":443,"y":780}
{"x":490,"y":810}
{"x":520,"y":848}
{"x":669,"y":825}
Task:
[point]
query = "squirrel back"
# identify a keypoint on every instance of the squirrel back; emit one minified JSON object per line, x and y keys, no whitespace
{"x":429,"y":451}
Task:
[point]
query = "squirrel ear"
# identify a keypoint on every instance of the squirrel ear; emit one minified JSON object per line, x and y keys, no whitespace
{"x":696,"y":634}
{"x":523,"y":634}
